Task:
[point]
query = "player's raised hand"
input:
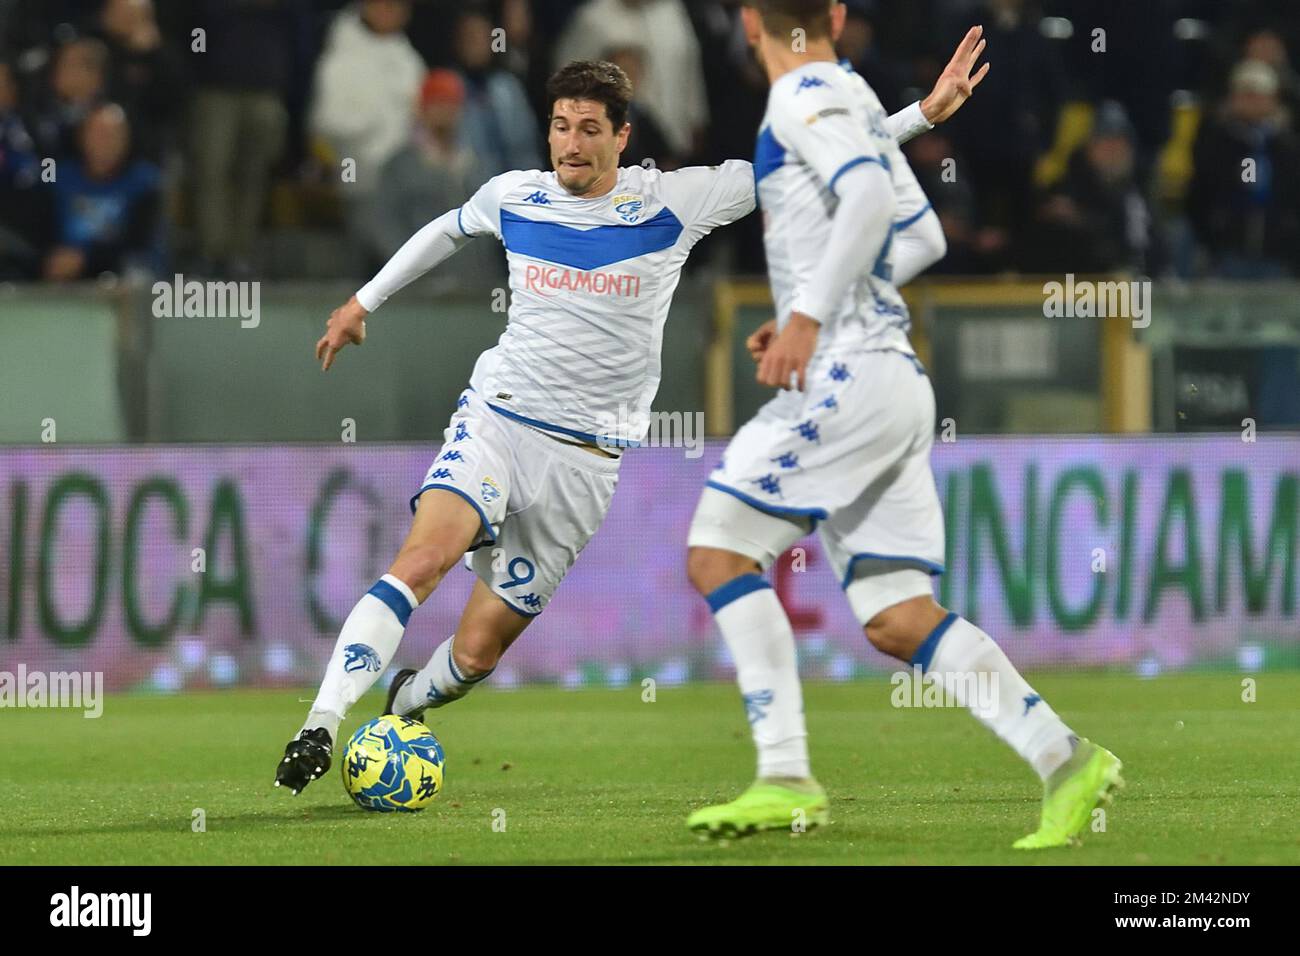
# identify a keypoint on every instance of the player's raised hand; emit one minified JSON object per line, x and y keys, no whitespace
{"x":346,"y":326}
{"x":788,"y":355}
{"x":956,"y":82}
{"x":760,"y":340}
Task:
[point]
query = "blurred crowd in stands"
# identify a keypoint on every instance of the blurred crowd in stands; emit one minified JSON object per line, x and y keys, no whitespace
{"x":292,"y":139}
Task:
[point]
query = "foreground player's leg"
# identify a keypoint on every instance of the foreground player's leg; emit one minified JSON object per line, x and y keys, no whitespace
{"x":486,"y":629}
{"x":1077,"y":775}
{"x":758,"y":634}
{"x":444,"y":528}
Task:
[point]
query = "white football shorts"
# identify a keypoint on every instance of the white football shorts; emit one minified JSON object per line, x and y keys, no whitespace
{"x":539,"y":499}
{"x":850,"y":457}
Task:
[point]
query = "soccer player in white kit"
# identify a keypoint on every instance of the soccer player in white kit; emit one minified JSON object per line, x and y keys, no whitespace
{"x":845,"y":447}
{"x":528,"y":468}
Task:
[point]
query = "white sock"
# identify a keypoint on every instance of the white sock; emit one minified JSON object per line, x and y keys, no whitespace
{"x":967,"y":661}
{"x":440,"y":682}
{"x":366,"y":644}
{"x":758,"y":633}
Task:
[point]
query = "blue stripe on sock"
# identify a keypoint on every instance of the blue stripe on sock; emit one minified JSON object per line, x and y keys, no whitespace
{"x":925,"y":652}
{"x":734,"y":590}
{"x":395,"y":599}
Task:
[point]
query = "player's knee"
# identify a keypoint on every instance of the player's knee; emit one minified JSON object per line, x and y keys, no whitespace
{"x":885,"y":635}
{"x":710,"y":568}
{"x":899,"y":630}
{"x":891,"y":632}
{"x":422,"y":566}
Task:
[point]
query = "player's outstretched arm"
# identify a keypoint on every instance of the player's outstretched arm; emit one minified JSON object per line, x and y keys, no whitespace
{"x":953,"y":88}
{"x":436,"y":242}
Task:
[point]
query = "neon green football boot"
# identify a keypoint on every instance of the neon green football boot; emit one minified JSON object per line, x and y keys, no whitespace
{"x":789,"y":805}
{"x":1084,"y":782}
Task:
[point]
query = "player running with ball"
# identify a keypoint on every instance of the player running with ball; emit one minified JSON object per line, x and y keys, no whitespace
{"x":845,"y":447}
{"x":525,"y":474}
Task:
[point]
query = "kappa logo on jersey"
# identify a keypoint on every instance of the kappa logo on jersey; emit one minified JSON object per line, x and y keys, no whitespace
{"x":808,"y":82}
{"x":552,"y":280}
{"x":538,"y":198}
{"x":489,"y":489}
{"x":628,"y":207}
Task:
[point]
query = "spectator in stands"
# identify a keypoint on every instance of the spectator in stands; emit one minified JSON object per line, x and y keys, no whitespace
{"x":1244,"y":200}
{"x":647,"y":139}
{"x":498,"y":123}
{"x":78,"y":82}
{"x":673,"y":89}
{"x":737,"y":98}
{"x":19,"y":161}
{"x":1096,"y":218}
{"x":1268,"y":47}
{"x":366,"y":91}
{"x":858,"y":45}
{"x":238,"y":122}
{"x":106,"y":205}
{"x":23,"y":213}
{"x":972,"y":249}
{"x":145,"y":75}
{"x":1004,"y":128}
{"x":434,"y":172}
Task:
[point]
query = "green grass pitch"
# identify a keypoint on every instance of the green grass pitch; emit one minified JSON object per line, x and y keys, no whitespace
{"x":598,"y":776}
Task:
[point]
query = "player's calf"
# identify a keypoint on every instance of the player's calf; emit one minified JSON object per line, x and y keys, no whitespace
{"x":977,"y":675}
{"x":486,"y":630}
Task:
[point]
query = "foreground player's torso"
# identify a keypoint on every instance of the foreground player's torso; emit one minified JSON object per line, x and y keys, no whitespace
{"x":591,"y":280}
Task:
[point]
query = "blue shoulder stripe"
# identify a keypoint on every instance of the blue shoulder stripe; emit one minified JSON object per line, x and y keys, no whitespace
{"x":769,"y":154}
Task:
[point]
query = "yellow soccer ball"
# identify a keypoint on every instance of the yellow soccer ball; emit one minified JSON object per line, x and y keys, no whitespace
{"x":393,"y":763}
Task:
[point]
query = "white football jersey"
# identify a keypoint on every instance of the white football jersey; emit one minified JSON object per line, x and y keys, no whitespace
{"x":822,"y":120}
{"x":590,"y":285}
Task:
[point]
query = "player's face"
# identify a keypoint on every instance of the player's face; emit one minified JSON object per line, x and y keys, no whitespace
{"x":584,"y":146}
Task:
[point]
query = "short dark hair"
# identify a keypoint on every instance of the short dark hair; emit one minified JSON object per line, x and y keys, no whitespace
{"x":597,"y":80}
{"x":780,"y":17}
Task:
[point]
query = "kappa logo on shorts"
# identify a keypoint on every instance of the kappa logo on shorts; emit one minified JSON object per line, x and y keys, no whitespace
{"x":769,"y":483}
{"x":490,"y":490}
